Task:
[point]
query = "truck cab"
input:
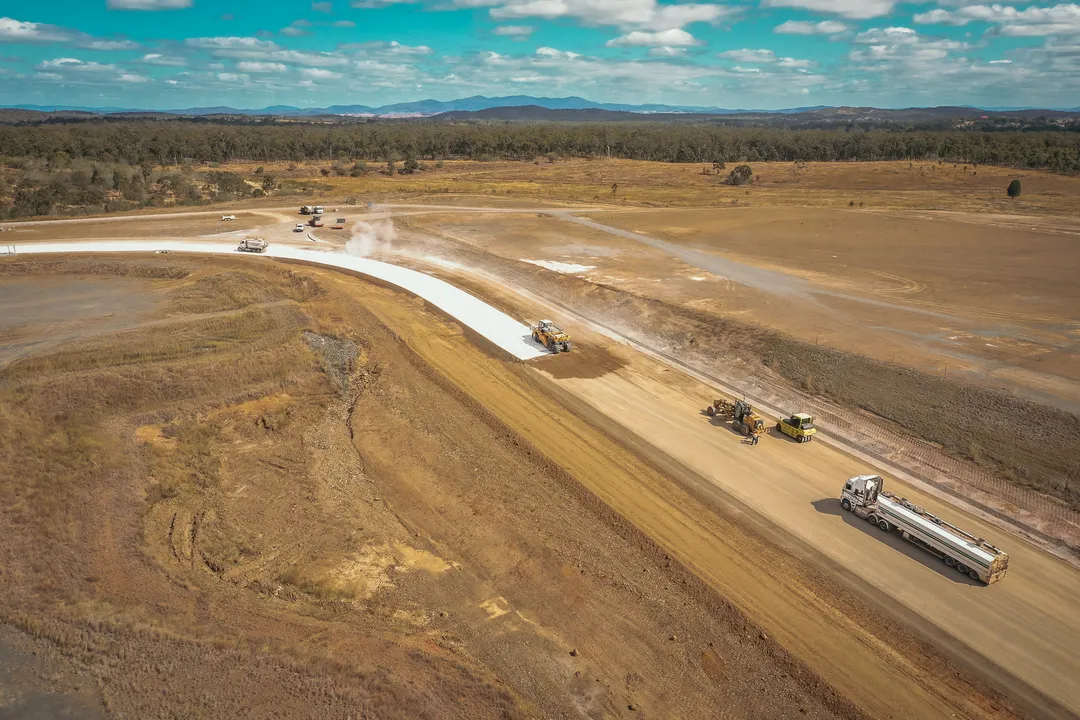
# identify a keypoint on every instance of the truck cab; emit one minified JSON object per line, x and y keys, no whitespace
{"x":860,"y":494}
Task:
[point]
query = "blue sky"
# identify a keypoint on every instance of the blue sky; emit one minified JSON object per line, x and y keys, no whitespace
{"x":168,"y":54}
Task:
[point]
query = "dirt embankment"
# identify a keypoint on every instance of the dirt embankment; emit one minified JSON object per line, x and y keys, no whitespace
{"x":269,"y":507}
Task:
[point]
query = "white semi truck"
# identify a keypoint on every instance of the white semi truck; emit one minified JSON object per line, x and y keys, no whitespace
{"x":865,"y":496}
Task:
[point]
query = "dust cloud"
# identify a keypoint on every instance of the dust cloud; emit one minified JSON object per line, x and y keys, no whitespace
{"x":369,"y":238}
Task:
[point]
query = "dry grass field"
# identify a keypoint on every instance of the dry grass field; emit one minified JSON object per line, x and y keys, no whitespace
{"x":881,"y":185}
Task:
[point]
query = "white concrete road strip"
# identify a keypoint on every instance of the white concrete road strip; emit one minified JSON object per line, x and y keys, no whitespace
{"x":512,"y":336}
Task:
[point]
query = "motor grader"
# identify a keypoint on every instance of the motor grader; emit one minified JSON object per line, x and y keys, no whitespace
{"x":743,"y":417}
{"x":551,"y":336}
{"x":799,"y":426}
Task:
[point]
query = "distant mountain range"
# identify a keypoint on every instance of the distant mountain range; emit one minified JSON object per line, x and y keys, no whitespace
{"x":526,"y":107}
{"x":478,"y":103}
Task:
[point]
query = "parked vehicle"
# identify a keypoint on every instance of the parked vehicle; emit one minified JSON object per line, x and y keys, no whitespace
{"x":299,"y":227}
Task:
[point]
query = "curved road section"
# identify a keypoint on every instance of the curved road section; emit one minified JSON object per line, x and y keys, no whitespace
{"x":509,"y":334}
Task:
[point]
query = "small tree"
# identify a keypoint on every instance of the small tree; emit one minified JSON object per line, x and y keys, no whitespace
{"x":390,"y":167}
{"x":411,"y":165}
{"x":741,"y":175}
{"x":268,"y":183}
{"x":1014,"y":189}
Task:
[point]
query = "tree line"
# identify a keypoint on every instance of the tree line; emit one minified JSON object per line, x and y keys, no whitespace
{"x":172,"y":142}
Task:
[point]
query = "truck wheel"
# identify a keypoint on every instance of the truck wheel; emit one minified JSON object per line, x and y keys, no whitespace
{"x":951,"y":562}
{"x":778,"y":427}
{"x":884,"y":525}
{"x":846,"y":504}
{"x":974,"y":574}
{"x":962,"y":568}
{"x":872,"y":519}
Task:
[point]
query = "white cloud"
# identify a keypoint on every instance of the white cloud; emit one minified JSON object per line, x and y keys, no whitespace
{"x":547,"y":52}
{"x":320,"y":74}
{"x":747,"y":55}
{"x":343,"y":24}
{"x":163,"y":60}
{"x":801,"y":27}
{"x":855,"y":9}
{"x":666,"y":51}
{"x":111,"y":45}
{"x":261,"y":67}
{"x":937,"y":16}
{"x":149,"y":4}
{"x":231,"y":43}
{"x":74,"y":64}
{"x":1001,"y":62}
{"x":230,"y":77}
{"x":513,"y":30}
{"x":793,"y":63}
{"x":380,"y":48}
{"x":645,"y":14}
{"x":17,"y":31}
{"x":1063,"y":19}
{"x":739,"y":69}
{"x":132,"y":78}
{"x":674,"y":37}
{"x":906,"y":36}
{"x":297,"y":28}
{"x":322,"y":7}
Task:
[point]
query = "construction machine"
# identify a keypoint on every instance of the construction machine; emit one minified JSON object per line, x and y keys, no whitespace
{"x":551,"y":336}
{"x":316,"y":221}
{"x":799,"y":426}
{"x":721,"y":408}
{"x":745,"y":420}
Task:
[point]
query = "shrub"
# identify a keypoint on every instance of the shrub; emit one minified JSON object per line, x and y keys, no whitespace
{"x":1014,"y":189}
{"x":741,"y":175}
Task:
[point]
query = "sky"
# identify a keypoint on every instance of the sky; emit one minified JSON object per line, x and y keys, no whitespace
{"x":771,"y":54}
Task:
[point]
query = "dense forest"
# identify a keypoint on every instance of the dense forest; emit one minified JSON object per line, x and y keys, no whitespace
{"x":172,"y":142}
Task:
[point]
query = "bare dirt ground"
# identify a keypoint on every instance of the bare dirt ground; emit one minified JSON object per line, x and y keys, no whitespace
{"x":751,"y":540}
{"x":273,"y":507}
